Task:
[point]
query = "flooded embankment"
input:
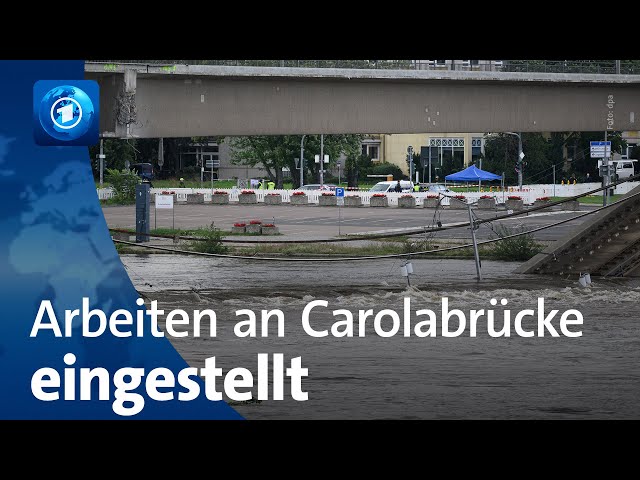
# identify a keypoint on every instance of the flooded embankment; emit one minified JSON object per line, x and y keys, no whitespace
{"x":596,"y":375}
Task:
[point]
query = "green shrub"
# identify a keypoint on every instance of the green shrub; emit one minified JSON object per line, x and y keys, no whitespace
{"x":520,"y":248}
{"x":416,"y":245}
{"x":212,"y":242}
{"x":123,"y":182}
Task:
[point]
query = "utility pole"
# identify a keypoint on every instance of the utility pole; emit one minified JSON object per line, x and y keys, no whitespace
{"x":605,"y":177}
{"x":520,"y":162}
{"x":554,"y":179}
{"x":302,"y":161}
{"x":476,"y":254}
{"x":618,"y":67}
{"x":101,"y":158}
{"x":410,"y":152}
{"x":321,"y":159}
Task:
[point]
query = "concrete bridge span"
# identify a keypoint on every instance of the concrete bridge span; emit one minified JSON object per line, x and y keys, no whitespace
{"x":149,"y":101}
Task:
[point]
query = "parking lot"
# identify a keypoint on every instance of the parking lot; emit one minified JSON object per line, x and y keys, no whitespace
{"x":312,"y":221}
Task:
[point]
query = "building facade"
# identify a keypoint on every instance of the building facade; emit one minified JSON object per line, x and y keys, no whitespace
{"x":440,"y":153}
{"x":633,"y":139}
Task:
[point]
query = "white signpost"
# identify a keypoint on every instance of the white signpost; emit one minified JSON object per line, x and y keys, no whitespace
{"x":600,"y":149}
{"x":340,"y":203}
{"x":164,"y":202}
{"x":603,"y":150}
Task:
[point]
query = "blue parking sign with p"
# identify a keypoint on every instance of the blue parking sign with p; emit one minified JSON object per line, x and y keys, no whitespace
{"x":339,"y":192}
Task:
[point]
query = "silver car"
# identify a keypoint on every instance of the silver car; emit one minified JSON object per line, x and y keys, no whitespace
{"x":316,"y":186}
{"x":438,"y":188}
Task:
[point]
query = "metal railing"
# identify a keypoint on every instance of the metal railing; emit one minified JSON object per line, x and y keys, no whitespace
{"x":551,"y":66}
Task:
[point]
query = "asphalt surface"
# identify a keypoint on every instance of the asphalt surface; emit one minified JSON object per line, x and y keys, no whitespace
{"x":312,"y":221}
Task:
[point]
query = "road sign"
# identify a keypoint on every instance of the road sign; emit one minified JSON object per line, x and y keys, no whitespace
{"x":521,"y":155}
{"x":317,"y":158}
{"x":164,"y":201}
{"x":326,"y":159}
{"x":600,"y":149}
{"x":340,"y":201}
{"x":340,"y":192}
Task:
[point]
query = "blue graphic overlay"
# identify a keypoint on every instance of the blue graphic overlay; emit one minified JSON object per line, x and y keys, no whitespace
{"x":65,"y":112}
{"x":54,"y":245}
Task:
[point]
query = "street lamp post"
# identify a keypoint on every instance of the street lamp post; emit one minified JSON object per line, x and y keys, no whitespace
{"x":321,"y":159}
{"x":520,"y":157}
{"x":410,"y":154}
{"x":302,"y":160}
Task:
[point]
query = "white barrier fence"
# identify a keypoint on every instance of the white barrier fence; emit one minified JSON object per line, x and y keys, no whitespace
{"x":528,"y":194}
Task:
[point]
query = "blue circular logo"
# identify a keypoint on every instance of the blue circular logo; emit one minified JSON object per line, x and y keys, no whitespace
{"x":66,"y":112}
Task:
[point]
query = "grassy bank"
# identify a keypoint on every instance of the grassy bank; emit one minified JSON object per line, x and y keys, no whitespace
{"x":592,"y":199}
{"x":506,"y":251}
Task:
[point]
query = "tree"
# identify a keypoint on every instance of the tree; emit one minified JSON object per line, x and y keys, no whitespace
{"x":537,"y":164}
{"x":357,"y":166}
{"x":117,"y":152}
{"x":581,"y":155}
{"x":387,"y":168}
{"x":275,"y":152}
{"x":124,"y":183}
{"x":500,"y":154}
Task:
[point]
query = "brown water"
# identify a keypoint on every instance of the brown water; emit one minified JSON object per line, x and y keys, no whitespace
{"x":594,"y":376}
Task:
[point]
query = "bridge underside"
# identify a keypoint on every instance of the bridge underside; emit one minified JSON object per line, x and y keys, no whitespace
{"x":607,"y":244}
{"x":149,"y":105}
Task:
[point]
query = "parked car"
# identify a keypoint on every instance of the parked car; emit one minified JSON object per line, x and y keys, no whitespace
{"x":437,"y":188}
{"x":389,"y":186}
{"x":316,"y":186}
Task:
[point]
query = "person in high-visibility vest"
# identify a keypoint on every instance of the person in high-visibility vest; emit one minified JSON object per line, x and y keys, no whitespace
{"x":416,"y":187}
{"x":271,"y":185}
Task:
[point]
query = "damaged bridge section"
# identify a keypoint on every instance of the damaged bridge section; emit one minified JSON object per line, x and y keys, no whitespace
{"x":607,"y":244}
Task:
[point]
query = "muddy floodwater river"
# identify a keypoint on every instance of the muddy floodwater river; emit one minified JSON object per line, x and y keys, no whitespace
{"x":596,"y":375}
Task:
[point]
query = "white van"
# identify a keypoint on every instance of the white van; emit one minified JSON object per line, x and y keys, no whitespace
{"x":624,"y":168}
{"x":387,"y":187}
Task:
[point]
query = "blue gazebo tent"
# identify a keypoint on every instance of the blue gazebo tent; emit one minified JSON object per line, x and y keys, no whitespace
{"x":472,"y":174}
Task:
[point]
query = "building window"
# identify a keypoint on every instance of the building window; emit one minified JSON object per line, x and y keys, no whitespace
{"x":372,"y":149}
{"x":446,"y":142}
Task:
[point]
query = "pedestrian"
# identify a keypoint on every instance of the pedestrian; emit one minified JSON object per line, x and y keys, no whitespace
{"x":587,"y":178}
{"x":398,"y":188}
{"x":271,"y":185}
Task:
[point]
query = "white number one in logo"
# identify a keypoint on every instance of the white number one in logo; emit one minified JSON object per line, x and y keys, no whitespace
{"x":66,"y":113}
